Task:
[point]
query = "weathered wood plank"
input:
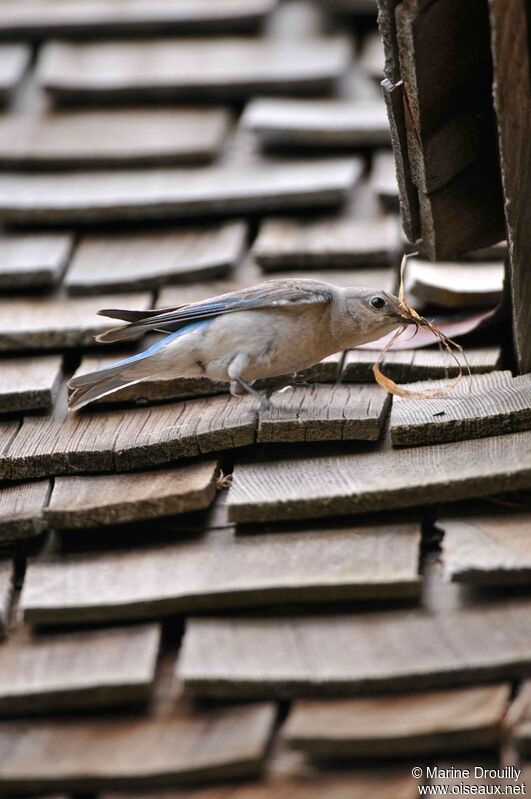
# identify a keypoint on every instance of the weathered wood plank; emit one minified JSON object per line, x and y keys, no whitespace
{"x":512,"y":96}
{"x":383,"y":783}
{"x":7,"y":586}
{"x":21,"y":508}
{"x":443,"y":721}
{"x":33,"y":261}
{"x":221,"y":570}
{"x":81,"y":502}
{"x":325,"y":413}
{"x":29,"y":384}
{"x":171,"y":69}
{"x":103,"y":138}
{"x":81,"y":669}
{"x":329,"y":242}
{"x":14,"y":60}
{"x":38,"y":19}
{"x":450,"y":284}
{"x":128,"y":440}
{"x":88,"y":197}
{"x":318,"y":123}
{"x":409,"y":366}
{"x":147,"y":260}
{"x":304,"y":486}
{"x":304,"y":655}
{"x":472,"y":409}
{"x":44,"y":322}
{"x":186,"y":746}
{"x":520,"y":720}
{"x":487,"y":550}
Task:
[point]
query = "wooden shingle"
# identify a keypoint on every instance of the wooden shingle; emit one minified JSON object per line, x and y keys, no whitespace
{"x":384,"y":179}
{"x":89,"y":197}
{"x":520,"y":720}
{"x":103,"y":138}
{"x":452,"y":720}
{"x":410,"y":366}
{"x":124,"y":262}
{"x":487,"y":549}
{"x":7,"y":586}
{"x":21,"y":509}
{"x":303,"y":486}
{"x":34,"y":260}
{"x":455,"y":285}
{"x":77,"y":670}
{"x":319,"y":655}
{"x":170,"y":68}
{"x":184,"y":747}
{"x":91,"y":501}
{"x":221,"y":570}
{"x":29,"y":384}
{"x":43,"y":323}
{"x":43,"y":18}
{"x":14,"y":60}
{"x":318,"y":123}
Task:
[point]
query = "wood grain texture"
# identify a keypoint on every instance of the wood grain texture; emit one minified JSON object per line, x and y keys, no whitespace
{"x":320,"y":655}
{"x":33,"y":261}
{"x":384,"y":783}
{"x":325,"y":413}
{"x":300,"y":485}
{"x":146,"y":260}
{"x":187,"y":746}
{"x":318,"y":123}
{"x":99,"y":668}
{"x":91,"y":501}
{"x":512,"y":96}
{"x":7,"y":588}
{"x":103,"y":138}
{"x":221,"y":570}
{"x":409,"y":366}
{"x":29,"y":384}
{"x":173,"y":69}
{"x":451,"y":284}
{"x":21,"y":509}
{"x":476,"y":410}
{"x":51,"y":322}
{"x":330,"y":242}
{"x":443,"y":721}
{"x":14,"y":60}
{"x":78,"y":18}
{"x":126,"y":440}
{"x":487,"y":550}
{"x":89,"y":197}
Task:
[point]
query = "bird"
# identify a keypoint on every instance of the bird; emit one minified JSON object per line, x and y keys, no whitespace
{"x":276,"y":328}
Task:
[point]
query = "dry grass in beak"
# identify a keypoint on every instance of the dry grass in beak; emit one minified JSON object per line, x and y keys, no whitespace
{"x":445,"y":343}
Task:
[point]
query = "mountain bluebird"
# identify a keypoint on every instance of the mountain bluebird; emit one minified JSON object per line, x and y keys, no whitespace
{"x":276,"y":328}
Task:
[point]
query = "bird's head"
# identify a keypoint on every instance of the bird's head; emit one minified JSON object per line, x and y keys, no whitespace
{"x":374,"y":313}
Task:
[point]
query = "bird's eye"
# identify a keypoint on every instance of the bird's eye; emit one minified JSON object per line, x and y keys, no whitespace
{"x":377,"y":302}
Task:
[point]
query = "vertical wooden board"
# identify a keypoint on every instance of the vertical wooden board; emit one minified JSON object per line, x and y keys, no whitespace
{"x":14,"y":60}
{"x":477,"y":410}
{"x":326,"y":655}
{"x":512,"y":96}
{"x":34,"y":260}
{"x":91,"y":501}
{"x":90,"y":197}
{"x":454,"y":285}
{"x":487,"y":550}
{"x":187,"y":746}
{"x":43,"y":322}
{"x":21,"y":509}
{"x":7,"y":586}
{"x":408,"y":366}
{"x":45,"y":18}
{"x":29,"y":384}
{"x":452,"y":720}
{"x":147,"y":260}
{"x":317,"y":123}
{"x":222,"y":570}
{"x":301,"y":485}
{"x":183,"y":69}
{"x":325,"y":413}
{"x":99,"y":668}
{"x":103,"y":138}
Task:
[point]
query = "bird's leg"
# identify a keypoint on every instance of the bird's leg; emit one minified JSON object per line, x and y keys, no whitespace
{"x":236,"y":367}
